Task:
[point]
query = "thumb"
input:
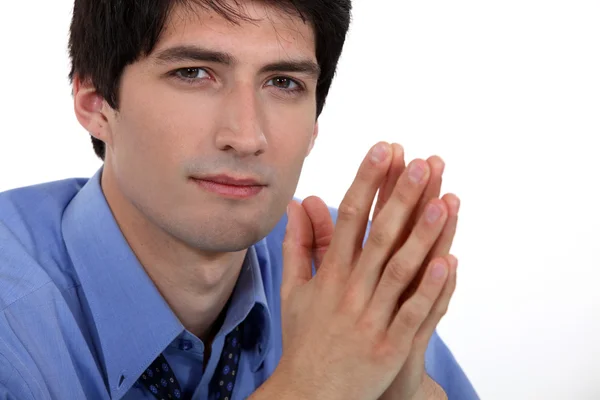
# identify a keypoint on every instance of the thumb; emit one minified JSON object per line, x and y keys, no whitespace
{"x":297,"y":249}
{"x":322,"y":226}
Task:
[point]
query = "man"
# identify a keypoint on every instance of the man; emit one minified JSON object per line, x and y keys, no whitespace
{"x":170,"y":274}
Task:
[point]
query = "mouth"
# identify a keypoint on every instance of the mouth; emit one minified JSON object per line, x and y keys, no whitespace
{"x":230,"y":186}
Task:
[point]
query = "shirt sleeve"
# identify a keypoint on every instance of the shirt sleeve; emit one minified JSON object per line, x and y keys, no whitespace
{"x":443,"y":368}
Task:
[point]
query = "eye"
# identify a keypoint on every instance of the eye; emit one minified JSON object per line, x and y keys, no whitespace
{"x":190,"y":74}
{"x":282,"y":82}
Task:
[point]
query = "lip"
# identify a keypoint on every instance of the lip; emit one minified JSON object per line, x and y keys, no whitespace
{"x":229,"y":186}
{"x":230,"y":180}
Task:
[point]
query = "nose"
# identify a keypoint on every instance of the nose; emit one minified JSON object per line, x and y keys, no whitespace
{"x":240,"y":128}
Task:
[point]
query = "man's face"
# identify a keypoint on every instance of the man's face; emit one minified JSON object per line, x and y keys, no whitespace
{"x":213,"y":127}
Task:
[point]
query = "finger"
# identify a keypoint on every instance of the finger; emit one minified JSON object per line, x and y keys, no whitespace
{"x":353,"y":213}
{"x":396,"y":169}
{"x":415,"y":310}
{"x":323,"y":227}
{"x":442,"y":246}
{"x":403,"y":267}
{"x":432,"y":191}
{"x":297,"y":249}
{"x":439,"y":309}
{"x":434,"y":187}
{"x":444,"y":243}
{"x":385,"y":230}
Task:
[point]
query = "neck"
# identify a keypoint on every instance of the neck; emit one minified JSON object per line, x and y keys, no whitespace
{"x":195,"y":284}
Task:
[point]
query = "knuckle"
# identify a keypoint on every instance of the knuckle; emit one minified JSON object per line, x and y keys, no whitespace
{"x":424,"y":235}
{"x":430,"y":292}
{"x":348,"y":209}
{"x":330,"y":273}
{"x":440,"y":311}
{"x":411,"y":317}
{"x":368,"y":326}
{"x":421,"y":340}
{"x":349,"y":303}
{"x":381,"y":237}
{"x":426,"y":294}
{"x":403,"y":195}
{"x":406,"y":194}
{"x":386,"y":350}
{"x":399,"y":271}
{"x":413,"y":313}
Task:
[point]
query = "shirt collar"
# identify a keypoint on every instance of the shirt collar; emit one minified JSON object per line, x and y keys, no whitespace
{"x":133,"y":321}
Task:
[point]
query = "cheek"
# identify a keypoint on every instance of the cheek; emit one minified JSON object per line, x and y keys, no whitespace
{"x":157,"y":128}
{"x":289,"y":149}
{"x":290,"y":130}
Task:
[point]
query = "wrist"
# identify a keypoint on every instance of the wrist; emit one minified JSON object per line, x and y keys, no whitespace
{"x":281,"y":386}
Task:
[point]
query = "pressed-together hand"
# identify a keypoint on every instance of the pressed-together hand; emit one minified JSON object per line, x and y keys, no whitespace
{"x":413,"y":370}
{"x":414,"y":367}
{"x":349,"y":331}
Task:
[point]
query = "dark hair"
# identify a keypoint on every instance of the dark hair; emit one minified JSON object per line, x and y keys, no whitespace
{"x":108,"y":35}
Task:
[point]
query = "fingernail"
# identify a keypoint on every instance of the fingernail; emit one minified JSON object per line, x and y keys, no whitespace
{"x":438,"y":272}
{"x":416,"y":172}
{"x":453,"y":261}
{"x":433,"y":213}
{"x":457,"y":205}
{"x":379,"y":153}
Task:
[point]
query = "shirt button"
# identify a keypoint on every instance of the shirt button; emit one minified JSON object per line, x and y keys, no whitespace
{"x":186,"y":345}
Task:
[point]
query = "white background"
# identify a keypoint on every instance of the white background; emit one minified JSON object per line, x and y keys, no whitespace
{"x":507,"y":92}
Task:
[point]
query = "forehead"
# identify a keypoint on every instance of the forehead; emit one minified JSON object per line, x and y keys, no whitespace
{"x":265,"y":31}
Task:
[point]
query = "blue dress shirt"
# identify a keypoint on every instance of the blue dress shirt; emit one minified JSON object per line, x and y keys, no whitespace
{"x":80,"y":318}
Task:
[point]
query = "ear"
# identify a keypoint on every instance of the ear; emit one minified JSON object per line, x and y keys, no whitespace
{"x":91,"y":110}
{"x":313,"y":138}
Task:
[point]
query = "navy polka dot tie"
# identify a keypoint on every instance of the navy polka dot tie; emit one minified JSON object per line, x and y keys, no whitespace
{"x":221,"y":385}
{"x":162,"y":383}
{"x":160,"y":380}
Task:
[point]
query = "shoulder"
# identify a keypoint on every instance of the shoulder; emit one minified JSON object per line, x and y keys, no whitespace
{"x":34,"y":275}
{"x":31,"y":247}
{"x":25,"y":204}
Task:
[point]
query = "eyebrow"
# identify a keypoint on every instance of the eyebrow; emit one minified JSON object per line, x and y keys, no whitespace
{"x":194,"y":53}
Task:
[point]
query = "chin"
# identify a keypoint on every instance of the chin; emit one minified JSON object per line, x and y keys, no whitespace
{"x":223,"y":235}
{"x":231,"y":243}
